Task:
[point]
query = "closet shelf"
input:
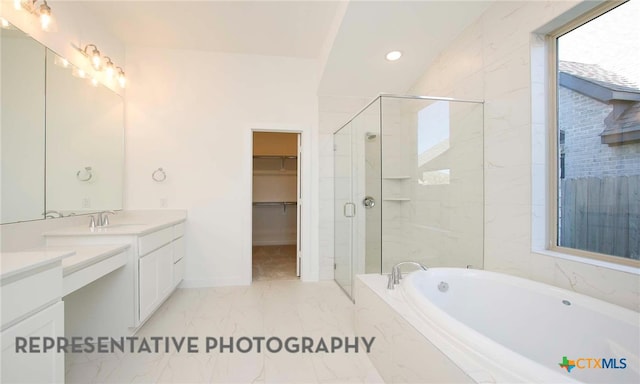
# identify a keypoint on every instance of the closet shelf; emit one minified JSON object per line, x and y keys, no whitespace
{"x":274,"y":157}
{"x":265,"y":203}
{"x":284,"y":204}
{"x":287,"y":172}
{"x":282,"y":158}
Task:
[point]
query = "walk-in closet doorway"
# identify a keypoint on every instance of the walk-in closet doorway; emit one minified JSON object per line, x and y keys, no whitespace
{"x":276,"y":213}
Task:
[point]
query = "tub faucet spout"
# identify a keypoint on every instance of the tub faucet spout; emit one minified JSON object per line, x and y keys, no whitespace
{"x":396,"y":274}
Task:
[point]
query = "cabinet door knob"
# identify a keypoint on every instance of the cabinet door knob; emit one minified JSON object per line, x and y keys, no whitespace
{"x":369,"y":202}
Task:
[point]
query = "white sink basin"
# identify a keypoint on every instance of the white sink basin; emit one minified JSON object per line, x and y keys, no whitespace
{"x":120,"y":226}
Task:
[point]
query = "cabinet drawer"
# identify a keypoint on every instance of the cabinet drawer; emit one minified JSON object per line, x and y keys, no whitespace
{"x":154,"y":240}
{"x":25,"y":295}
{"x":178,"y":272}
{"x":178,"y":249}
{"x":178,"y":230}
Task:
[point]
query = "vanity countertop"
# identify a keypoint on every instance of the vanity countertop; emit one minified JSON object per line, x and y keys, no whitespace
{"x":16,"y":263}
{"x":118,"y":228}
{"x":84,"y":255}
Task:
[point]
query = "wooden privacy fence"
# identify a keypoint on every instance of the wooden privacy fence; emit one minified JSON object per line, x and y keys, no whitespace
{"x":601,"y":215}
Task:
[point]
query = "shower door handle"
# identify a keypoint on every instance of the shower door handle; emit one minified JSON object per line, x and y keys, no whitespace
{"x":369,"y":202}
{"x":349,"y":210}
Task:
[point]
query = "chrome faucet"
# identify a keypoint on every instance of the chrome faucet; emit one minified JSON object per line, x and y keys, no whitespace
{"x":101,"y":219}
{"x":396,"y":274}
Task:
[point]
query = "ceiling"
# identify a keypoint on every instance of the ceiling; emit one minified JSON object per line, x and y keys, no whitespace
{"x":276,"y":28}
{"x":369,"y":30}
{"x":349,"y":39}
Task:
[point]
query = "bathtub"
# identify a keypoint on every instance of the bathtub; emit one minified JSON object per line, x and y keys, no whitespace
{"x":490,"y":327}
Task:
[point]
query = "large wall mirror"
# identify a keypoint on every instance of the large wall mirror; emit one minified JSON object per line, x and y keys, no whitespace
{"x":63,"y":148}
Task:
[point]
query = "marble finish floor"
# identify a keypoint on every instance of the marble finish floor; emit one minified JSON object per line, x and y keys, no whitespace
{"x":280,"y":308}
{"x":274,"y":262}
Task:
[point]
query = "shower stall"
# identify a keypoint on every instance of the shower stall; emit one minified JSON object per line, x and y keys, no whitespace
{"x":409,"y":186}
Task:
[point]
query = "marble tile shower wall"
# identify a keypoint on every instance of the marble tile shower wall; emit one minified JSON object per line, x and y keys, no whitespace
{"x":491,"y":60}
{"x":366,"y":182}
{"x":373,"y":188}
{"x":437,"y":225}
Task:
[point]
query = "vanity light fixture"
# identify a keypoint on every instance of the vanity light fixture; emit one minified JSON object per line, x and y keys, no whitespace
{"x":109,"y":68}
{"x":105,"y":63}
{"x":43,"y":11}
{"x":121,"y":78}
{"x":94,"y":55}
{"x":394,"y":55}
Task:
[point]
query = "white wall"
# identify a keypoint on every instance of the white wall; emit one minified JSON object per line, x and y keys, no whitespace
{"x":192,"y":113}
{"x":491,"y":60}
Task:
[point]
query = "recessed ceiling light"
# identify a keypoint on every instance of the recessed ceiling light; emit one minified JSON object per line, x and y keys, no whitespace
{"x":394,"y":55}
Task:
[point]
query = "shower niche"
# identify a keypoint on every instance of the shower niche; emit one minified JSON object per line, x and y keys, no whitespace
{"x":408,"y":186}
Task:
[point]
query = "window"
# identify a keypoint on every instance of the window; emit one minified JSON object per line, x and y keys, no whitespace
{"x":597,"y":146}
{"x":433,"y":141}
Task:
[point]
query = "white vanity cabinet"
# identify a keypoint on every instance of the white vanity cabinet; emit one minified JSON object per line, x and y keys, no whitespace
{"x":31,"y":291}
{"x":158,"y":274}
{"x":153,"y":270}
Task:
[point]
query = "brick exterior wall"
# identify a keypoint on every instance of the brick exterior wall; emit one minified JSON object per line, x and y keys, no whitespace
{"x":582,"y":120}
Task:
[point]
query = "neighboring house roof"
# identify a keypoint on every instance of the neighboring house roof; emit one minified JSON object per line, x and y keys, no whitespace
{"x":598,"y":75}
{"x":623,"y":124}
{"x":596,"y":82}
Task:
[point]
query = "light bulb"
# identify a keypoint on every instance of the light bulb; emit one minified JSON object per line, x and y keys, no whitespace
{"x":109,"y":68}
{"x":96,"y":60}
{"x":45,"y":15}
{"x":45,"y":20}
{"x":4,"y":22}
{"x":121,"y":78}
{"x":17,"y":5}
{"x":94,"y":82}
{"x":394,"y":55}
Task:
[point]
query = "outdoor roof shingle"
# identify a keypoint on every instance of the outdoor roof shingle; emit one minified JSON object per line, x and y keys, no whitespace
{"x":598,"y":75}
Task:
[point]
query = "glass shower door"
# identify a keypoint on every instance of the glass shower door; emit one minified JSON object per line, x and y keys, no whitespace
{"x":357,"y":194}
{"x":344,"y":208}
